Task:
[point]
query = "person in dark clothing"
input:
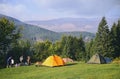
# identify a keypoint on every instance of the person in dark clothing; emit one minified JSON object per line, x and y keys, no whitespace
{"x":9,"y":62}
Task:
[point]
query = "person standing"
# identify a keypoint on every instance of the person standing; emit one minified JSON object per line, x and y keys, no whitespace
{"x":9,"y":62}
{"x":21,"y":59}
{"x":12,"y":62}
{"x":28,"y":60}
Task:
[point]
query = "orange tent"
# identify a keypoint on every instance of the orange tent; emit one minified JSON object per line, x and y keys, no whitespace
{"x":53,"y":61}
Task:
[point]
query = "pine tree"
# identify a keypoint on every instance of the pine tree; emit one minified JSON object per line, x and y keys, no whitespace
{"x":115,"y":39}
{"x":68,"y":48}
{"x":117,"y":53}
{"x":89,"y":48}
{"x":64,"y":46}
{"x":8,"y":35}
{"x":80,"y":49}
{"x":73,"y":47}
{"x":102,"y":40}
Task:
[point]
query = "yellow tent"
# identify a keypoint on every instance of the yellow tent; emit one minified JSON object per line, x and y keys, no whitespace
{"x":53,"y":61}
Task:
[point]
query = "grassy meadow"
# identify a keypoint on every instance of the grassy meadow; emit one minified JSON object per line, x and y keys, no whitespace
{"x":70,"y":71}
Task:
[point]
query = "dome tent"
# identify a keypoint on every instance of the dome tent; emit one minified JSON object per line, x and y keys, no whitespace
{"x":53,"y":60}
{"x":67,"y":60}
{"x":97,"y":59}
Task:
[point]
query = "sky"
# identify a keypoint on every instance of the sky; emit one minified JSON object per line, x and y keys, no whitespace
{"x":34,"y":10}
{"x":26,"y":10}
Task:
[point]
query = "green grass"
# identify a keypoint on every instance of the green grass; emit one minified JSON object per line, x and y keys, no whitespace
{"x":71,"y":71}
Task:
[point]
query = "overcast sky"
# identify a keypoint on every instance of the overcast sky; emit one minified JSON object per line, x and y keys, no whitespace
{"x":49,"y":9}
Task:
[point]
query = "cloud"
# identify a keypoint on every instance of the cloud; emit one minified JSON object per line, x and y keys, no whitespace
{"x":42,"y":9}
{"x":53,"y":9}
{"x":20,"y":12}
{"x":17,"y":11}
{"x":80,"y":7}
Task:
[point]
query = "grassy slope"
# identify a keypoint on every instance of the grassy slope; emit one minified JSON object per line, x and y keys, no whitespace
{"x":76,"y":71}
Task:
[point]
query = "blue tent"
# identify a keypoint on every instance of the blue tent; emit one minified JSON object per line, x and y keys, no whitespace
{"x":108,"y":60}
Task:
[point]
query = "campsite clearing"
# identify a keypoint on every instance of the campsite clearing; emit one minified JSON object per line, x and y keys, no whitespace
{"x":71,"y":71}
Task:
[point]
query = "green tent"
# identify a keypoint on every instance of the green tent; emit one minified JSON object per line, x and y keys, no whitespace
{"x":97,"y":59}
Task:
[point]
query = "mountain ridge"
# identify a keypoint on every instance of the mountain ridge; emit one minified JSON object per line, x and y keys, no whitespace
{"x":68,"y":24}
{"x":72,"y":24}
{"x":36,"y":33}
{"x":32,"y":32}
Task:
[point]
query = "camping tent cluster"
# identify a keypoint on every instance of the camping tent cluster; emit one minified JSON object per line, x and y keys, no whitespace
{"x":55,"y":60}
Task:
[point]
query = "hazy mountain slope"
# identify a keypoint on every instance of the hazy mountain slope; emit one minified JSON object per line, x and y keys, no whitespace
{"x":32,"y":32}
{"x":69,"y":24}
{"x":72,"y":24}
{"x":35,"y":33}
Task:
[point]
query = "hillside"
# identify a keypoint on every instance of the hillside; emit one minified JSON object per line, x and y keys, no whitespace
{"x":68,"y":24}
{"x":71,"y":24}
{"x":32,"y":32}
{"x":36,"y":33}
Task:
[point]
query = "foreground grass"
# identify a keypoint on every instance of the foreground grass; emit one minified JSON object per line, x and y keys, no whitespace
{"x":71,"y":71}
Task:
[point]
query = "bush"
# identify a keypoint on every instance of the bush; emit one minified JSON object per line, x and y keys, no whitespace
{"x":116,"y":61}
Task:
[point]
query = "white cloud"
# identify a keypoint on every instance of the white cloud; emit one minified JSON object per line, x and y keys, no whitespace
{"x":42,"y":9}
{"x":95,"y":8}
{"x":17,"y":11}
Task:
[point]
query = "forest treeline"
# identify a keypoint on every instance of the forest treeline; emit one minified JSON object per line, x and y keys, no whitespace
{"x":106,"y":42}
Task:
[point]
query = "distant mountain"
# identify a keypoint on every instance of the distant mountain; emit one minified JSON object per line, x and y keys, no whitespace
{"x":32,"y":32}
{"x":72,"y":24}
{"x":68,"y":24}
{"x":11,"y":19}
{"x":35,"y":33}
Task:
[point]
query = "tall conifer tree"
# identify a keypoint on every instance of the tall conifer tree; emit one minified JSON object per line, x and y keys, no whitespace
{"x":115,"y":39}
{"x":102,"y":40}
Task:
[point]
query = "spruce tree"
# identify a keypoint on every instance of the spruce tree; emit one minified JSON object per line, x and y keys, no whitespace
{"x":80,"y":51}
{"x":89,"y":48}
{"x":64,"y":46}
{"x":115,"y":39}
{"x":8,"y":35}
{"x":117,"y":53}
{"x":102,"y":40}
